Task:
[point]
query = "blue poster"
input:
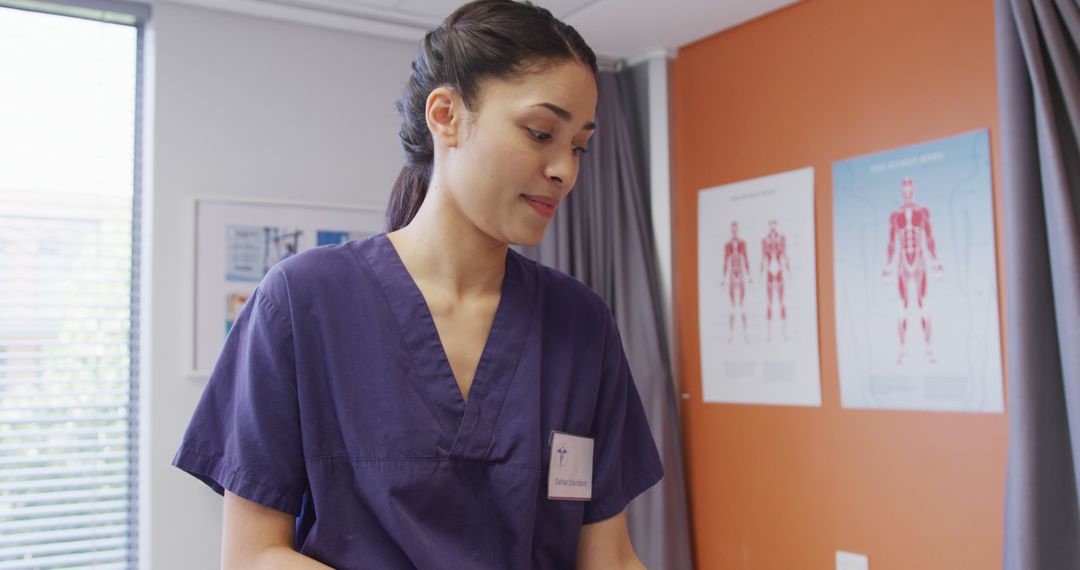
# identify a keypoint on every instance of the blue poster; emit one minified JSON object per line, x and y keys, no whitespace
{"x":916,"y":278}
{"x":331,"y":237}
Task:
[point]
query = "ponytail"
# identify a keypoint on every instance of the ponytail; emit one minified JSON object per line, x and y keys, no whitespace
{"x":409,"y":191}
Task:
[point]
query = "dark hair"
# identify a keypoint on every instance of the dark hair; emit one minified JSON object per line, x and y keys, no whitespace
{"x":484,"y":39}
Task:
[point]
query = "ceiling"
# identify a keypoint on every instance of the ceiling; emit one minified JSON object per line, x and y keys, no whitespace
{"x":628,"y":30}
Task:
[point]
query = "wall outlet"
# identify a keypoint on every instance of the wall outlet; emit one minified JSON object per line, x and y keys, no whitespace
{"x":851,"y":561}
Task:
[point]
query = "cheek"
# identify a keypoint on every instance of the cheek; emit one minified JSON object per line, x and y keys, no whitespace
{"x":495,"y":171}
{"x":510,"y":168}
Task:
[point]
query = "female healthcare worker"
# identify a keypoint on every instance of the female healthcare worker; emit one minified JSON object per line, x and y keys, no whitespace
{"x":428,"y":398}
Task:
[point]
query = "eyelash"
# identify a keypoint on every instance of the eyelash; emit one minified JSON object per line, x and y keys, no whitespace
{"x":541,"y":136}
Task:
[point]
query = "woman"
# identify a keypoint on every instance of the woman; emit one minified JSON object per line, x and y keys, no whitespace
{"x":427,"y":397}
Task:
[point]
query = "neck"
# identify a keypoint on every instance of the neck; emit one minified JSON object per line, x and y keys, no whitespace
{"x":442,"y":247}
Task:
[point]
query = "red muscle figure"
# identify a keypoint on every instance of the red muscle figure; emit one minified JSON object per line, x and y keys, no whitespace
{"x":737,"y":275}
{"x":909,"y":228}
{"x":774,"y":261}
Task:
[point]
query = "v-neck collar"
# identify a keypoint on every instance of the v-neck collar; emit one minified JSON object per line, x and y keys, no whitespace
{"x":467,"y":427}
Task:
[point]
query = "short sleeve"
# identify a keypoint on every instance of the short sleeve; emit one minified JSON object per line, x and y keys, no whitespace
{"x":245,"y":435}
{"x":626,"y":461}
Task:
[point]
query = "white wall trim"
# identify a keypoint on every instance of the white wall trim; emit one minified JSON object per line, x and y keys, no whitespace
{"x":372,"y":24}
{"x":146,"y":298}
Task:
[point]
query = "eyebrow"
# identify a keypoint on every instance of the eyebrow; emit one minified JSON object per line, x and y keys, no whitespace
{"x":564,"y":114}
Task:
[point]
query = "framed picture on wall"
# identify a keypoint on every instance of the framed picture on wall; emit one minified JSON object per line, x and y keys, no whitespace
{"x":237,"y":242}
{"x":757,"y":287}
{"x":916,"y":278}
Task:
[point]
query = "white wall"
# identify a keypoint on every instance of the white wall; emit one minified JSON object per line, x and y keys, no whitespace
{"x":239,"y":106}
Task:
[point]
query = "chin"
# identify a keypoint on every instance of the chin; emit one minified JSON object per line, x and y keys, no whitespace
{"x":527,"y":236}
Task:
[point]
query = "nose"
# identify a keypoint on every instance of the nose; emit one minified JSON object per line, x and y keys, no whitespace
{"x":562,"y":170}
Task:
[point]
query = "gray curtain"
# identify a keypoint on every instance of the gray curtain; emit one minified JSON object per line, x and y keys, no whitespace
{"x":1038,"y":43}
{"x":602,"y":236}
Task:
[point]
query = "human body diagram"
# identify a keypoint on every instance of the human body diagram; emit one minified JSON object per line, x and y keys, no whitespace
{"x":774,"y":267}
{"x":774,"y":264}
{"x":910,"y":232}
{"x":736,"y":276}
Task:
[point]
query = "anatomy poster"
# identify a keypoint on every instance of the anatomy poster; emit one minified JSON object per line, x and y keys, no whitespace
{"x":757,"y":291}
{"x":238,"y":241}
{"x":916,"y":282}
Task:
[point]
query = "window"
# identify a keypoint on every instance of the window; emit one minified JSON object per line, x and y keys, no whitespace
{"x":69,"y":207}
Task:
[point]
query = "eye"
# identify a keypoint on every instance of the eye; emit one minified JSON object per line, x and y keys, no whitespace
{"x":538,"y":135}
{"x":580,"y":150}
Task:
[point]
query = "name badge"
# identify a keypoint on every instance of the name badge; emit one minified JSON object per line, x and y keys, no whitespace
{"x":570,"y":472}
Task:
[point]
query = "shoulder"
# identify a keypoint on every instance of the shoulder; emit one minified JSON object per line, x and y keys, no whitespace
{"x":559,"y":286}
{"x":564,"y":293}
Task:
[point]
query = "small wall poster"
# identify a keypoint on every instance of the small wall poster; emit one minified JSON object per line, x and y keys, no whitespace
{"x":757,"y":287}
{"x":237,"y":242}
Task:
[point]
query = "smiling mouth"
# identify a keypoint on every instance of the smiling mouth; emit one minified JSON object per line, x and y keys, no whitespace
{"x":543,"y":206}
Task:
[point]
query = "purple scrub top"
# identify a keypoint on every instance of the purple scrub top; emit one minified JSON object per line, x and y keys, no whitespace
{"x":333,"y":401}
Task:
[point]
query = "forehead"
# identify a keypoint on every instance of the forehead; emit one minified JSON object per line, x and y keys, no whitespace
{"x":569,"y":85}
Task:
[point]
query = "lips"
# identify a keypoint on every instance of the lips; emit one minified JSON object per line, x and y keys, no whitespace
{"x":542,"y":204}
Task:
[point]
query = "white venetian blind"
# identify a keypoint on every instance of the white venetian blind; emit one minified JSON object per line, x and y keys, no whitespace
{"x":68,"y":398}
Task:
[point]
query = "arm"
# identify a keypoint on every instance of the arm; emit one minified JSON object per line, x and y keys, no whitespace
{"x":930,"y":246}
{"x":258,"y":537}
{"x":605,"y":545}
{"x":727,"y":262}
{"x":783,"y":252}
{"x":764,"y":256}
{"x":892,"y":243}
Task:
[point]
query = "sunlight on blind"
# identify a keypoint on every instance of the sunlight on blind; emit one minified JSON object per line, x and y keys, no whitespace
{"x":67,"y":125}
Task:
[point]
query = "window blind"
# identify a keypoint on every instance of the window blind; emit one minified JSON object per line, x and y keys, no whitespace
{"x":68,"y":290}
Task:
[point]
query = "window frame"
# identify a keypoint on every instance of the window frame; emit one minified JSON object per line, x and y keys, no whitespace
{"x":136,"y":15}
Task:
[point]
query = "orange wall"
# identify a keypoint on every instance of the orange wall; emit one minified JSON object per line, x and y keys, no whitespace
{"x":784,"y":487}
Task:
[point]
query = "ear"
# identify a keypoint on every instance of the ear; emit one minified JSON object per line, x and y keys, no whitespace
{"x":444,"y":112}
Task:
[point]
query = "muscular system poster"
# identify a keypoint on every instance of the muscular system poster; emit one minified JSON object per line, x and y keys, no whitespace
{"x":916,"y":283}
{"x":757,"y":291}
